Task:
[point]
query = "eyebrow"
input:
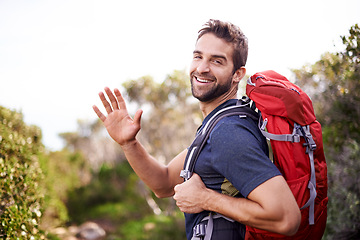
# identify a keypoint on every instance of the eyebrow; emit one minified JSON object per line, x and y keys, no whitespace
{"x":212,"y":56}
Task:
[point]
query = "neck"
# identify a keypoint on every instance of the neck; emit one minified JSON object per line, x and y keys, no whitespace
{"x":207,"y":107}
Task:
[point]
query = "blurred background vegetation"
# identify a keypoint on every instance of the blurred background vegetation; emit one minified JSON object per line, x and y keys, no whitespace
{"x":46,"y":194}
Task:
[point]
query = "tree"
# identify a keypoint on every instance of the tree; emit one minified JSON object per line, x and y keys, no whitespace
{"x":21,"y":191}
{"x":334,"y":85}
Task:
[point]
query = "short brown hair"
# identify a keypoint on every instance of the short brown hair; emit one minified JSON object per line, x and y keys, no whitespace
{"x":232,"y":34}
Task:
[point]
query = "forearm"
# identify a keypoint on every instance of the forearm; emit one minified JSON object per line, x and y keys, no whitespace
{"x":272,"y":215}
{"x":239,"y":209}
{"x":154,"y":174}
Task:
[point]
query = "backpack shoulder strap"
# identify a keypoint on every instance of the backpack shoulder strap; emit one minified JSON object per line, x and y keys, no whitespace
{"x":242,"y":108}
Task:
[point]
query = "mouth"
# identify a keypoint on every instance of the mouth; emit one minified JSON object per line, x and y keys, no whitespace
{"x":202,"y":80}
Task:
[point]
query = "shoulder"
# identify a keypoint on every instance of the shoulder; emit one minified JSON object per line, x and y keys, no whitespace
{"x":236,"y":137}
{"x":234,"y":128}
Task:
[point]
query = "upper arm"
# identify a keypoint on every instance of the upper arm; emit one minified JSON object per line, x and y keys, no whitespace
{"x":278,"y":205}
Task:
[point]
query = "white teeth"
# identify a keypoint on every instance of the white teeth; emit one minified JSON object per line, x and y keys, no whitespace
{"x":202,"y":80}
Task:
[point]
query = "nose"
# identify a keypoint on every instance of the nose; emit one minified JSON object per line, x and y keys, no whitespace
{"x":203,"y":66}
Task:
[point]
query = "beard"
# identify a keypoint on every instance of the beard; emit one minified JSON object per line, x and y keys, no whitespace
{"x":214,"y":91}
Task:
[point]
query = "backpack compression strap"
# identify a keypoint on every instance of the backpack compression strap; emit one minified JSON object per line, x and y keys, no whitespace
{"x":310,"y":145}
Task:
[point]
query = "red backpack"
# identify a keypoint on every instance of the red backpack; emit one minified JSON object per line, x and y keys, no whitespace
{"x":296,"y":141}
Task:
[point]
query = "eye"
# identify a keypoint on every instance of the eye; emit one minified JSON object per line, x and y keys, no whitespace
{"x":218,"y":61}
{"x":197,"y":56}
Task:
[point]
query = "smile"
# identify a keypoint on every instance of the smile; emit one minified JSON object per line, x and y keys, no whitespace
{"x":202,"y":80}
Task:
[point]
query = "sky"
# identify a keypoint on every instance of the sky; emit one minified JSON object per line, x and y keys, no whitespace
{"x":56,"y":55}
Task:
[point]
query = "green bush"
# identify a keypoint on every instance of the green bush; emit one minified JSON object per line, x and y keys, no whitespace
{"x":21,"y":195}
{"x":64,"y":171}
{"x":115,"y":195}
{"x":111,"y":194}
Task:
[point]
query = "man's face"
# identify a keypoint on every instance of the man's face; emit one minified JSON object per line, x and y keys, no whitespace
{"x":211,"y":70}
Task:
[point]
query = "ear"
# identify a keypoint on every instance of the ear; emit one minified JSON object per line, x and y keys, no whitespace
{"x":239,"y":74}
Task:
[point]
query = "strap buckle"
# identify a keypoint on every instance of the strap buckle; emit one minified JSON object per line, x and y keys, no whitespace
{"x":186,"y":174}
{"x":199,"y":230}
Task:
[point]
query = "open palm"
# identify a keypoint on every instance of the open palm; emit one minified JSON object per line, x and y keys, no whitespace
{"x":120,"y":126}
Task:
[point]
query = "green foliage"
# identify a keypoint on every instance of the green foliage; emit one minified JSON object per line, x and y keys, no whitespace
{"x":155,"y":228}
{"x":334,"y":85}
{"x":352,"y":43}
{"x":344,"y":194}
{"x":64,"y":171}
{"x":110,"y":194}
{"x":114,"y":196}
{"x":20,"y":176}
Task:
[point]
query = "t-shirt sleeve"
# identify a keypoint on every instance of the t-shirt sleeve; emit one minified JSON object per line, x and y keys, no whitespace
{"x":238,"y":153}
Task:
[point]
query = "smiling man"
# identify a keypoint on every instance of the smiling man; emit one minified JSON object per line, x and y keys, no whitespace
{"x":234,"y":177}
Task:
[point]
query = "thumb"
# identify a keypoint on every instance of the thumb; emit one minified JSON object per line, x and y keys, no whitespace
{"x":195,"y":177}
{"x":137,"y":117}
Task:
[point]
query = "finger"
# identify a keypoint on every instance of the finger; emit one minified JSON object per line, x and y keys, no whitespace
{"x":105,"y":103}
{"x":196,"y":180}
{"x":99,"y":114}
{"x":176,"y":188}
{"x":120,"y":99}
{"x":112,"y":98}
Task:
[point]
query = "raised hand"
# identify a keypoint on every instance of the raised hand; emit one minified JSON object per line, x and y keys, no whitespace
{"x":120,"y":126}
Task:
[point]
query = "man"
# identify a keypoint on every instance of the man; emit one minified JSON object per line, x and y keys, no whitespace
{"x":233,"y":175}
